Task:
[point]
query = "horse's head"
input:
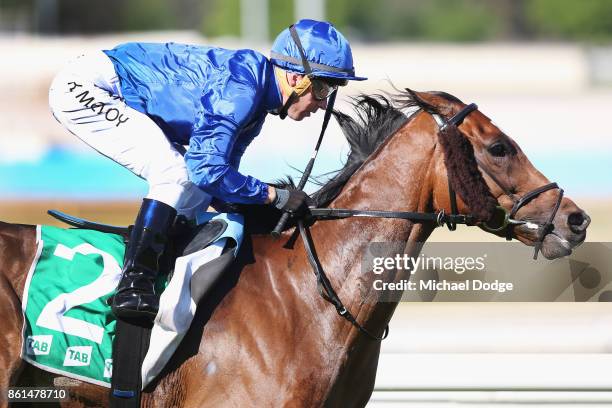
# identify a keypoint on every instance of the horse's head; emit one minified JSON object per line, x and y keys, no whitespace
{"x":514,"y":182}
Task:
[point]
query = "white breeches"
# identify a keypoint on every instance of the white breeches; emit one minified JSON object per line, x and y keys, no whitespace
{"x":86,"y":98}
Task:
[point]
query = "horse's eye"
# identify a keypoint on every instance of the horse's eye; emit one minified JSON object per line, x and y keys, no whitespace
{"x":498,"y":150}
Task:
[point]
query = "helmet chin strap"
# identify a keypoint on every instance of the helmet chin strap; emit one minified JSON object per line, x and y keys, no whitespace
{"x":307,"y":70}
{"x":294,"y":92}
{"x":282,"y":113}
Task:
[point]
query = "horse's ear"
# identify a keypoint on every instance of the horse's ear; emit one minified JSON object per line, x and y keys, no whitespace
{"x":432,"y":102}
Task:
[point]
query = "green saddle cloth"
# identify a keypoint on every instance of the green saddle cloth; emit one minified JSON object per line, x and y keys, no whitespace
{"x":68,"y":325}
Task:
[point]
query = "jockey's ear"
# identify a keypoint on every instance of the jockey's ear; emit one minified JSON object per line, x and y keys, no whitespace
{"x":293,"y":78}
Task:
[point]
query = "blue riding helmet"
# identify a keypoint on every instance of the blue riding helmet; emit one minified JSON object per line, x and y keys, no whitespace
{"x":325,"y":48}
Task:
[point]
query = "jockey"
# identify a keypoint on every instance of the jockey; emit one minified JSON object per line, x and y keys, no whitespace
{"x":137,"y":102}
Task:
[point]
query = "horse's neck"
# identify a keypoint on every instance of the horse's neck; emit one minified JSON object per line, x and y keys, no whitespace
{"x":398,"y":177}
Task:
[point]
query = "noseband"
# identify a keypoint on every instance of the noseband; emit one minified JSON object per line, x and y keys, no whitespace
{"x":521,"y":201}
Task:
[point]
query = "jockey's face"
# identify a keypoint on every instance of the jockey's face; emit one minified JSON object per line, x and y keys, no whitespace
{"x":306,"y":103}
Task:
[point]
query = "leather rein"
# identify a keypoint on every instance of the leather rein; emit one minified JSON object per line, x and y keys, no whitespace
{"x":440,"y":218}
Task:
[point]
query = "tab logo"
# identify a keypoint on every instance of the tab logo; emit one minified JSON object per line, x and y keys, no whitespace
{"x":108,"y":368}
{"x":77,"y":356}
{"x":39,"y":345}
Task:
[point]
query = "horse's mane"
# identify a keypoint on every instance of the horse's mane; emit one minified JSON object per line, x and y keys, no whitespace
{"x":377,"y":118}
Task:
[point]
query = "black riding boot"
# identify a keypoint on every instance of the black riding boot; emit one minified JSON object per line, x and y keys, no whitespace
{"x":135,"y":295}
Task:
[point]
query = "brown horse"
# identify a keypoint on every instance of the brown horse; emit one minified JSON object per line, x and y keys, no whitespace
{"x":266,"y":338}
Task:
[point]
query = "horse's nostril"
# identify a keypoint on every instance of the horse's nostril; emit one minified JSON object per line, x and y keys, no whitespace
{"x":578,"y":221}
{"x":576,"y":218}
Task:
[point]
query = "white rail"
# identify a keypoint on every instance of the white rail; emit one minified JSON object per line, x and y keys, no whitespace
{"x":489,"y":371}
{"x":497,"y":355}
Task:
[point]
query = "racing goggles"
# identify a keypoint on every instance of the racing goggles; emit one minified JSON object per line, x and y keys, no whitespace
{"x":322,"y":89}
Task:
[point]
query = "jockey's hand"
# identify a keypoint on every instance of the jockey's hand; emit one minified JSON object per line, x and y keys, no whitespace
{"x":294,"y":202}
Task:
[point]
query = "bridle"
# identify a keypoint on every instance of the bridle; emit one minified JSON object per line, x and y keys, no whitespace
{"x":440,"y":218}
{"x":508,"y":222}
{"x":521,"y":201}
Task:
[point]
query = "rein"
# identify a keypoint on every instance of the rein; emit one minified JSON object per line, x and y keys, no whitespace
{"x":325,"y":287}
{"x":440,"y":218}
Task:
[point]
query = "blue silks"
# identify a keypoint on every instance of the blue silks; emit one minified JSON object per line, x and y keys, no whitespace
{"x":213,"y":99}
